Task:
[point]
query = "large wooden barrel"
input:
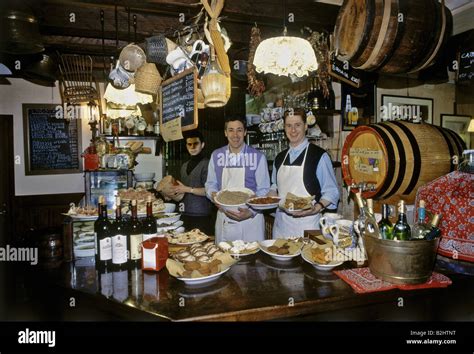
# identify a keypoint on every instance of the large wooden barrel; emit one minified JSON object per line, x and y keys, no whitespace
{"x":391,"y":36}
{"x":397,"y":157}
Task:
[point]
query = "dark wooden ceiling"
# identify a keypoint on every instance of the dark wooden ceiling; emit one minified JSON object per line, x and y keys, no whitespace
{"x":84,"y":35}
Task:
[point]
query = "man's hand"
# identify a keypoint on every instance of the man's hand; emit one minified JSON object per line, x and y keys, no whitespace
{"x":242,"y":214}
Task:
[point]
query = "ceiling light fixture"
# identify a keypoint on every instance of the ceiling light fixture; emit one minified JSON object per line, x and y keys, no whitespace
{"x":285,"y":56}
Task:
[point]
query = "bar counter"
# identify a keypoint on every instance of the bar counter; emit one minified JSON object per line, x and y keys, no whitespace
{"x":259,"y":288}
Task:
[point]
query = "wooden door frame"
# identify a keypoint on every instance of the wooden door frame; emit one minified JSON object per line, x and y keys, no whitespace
{"x":9,"y":143}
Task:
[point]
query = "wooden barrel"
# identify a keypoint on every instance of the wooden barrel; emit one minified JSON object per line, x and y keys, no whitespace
{"x":397,"y":157}
{"x":391,"y":36}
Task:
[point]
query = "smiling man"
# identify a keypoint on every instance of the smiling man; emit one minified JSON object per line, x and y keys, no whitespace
{"x":238,"y":165}
{"x":304,"y":170}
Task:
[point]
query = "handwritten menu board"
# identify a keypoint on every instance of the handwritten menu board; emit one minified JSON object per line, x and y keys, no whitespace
{"x":179,"y":99}
{"x":344,"y":72}
{"x":466,"y":66}
{"x":52,"y":145}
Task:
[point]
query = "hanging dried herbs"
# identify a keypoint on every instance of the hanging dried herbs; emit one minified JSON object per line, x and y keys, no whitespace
{"x":319,"y":42}
{"x":256,"y":87}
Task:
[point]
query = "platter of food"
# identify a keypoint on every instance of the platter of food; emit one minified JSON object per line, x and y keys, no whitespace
{"x":198,"y":264}
{"x":264,"y":203}
{"x":295,"y":203}
{"x":239,"y":248}
{"x":187,"y":238}
{"x":233,"y":198}
{"x":281,"y":249}
{"x":320,"y":257}
{"x":139,"y":194}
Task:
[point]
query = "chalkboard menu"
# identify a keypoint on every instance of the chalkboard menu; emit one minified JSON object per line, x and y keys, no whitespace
{"x":344,"y":72}
{"x":179,"y":99}
{"x":52,"y":145}
{"x":466,"y":66}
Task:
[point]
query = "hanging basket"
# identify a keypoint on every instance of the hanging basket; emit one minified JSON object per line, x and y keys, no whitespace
{"x":132,"y":57}
{"x":148,"y":79}
{"x":157,"y":48}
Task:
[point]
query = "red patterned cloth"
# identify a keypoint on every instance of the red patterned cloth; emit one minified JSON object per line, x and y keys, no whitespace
{"x":363,"y":281}
{"x":452,"y":195}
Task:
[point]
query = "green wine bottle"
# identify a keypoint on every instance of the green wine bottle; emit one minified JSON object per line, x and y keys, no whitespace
{"x":385,"y":226}
{"x":401,"y":230}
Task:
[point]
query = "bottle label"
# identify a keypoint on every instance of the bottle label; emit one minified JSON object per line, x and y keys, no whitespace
{"x":105,"y":249}
{"x":135,"y":246}
{"x":147,"y":236}
{"x":119,"y":249}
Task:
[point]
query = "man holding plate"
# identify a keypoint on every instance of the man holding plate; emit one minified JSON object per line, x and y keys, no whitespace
{"x":238,"y":166}
{"x":304,"y":170}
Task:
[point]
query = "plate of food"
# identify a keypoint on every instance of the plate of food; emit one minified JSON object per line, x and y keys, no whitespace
{"x":233,"y":198}
{"x":187,"y":238}
{"x":203,"y":279}
{"x":198,"y":264}
{"x":293,"y":202}
{"x":82,"y":213}
{"x":264,"y":203}
{"x":239,"y":248}
{"x":320,"y":257}
{"x":281,"y":249}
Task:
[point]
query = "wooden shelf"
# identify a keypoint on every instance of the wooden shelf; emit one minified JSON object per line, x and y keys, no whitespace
{"x":132,"y":137}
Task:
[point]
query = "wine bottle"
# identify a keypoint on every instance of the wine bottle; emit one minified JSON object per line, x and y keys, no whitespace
{"x":149,"y":223}
{"x":136,"y":237}
{"x":120,"y":250}
{"x":385,"y":226}
{"x":103,"y":240}
{"x":420,"y":229}
{"x":401,"y":230}
{"x":434,"y":231}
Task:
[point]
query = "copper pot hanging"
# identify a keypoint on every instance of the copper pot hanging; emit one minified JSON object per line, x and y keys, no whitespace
{"x":19,"y":31}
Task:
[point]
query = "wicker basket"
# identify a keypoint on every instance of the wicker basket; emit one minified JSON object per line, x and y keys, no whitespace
{"x":157,"y":48}
{"x":148,"y":79}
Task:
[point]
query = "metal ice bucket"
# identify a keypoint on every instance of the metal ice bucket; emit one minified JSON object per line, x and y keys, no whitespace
{"x":401,"y":262}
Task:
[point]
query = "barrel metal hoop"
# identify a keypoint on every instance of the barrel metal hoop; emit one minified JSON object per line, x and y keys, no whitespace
{"x":403,"y":160}
{"x":403,"y":9}
{"x":416,"y":157}
{"x":368,"y":27}
{"x":391,"y":163}
{"x":461,"y":145}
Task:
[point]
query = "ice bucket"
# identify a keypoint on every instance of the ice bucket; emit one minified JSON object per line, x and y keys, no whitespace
{"x":401,"y":262}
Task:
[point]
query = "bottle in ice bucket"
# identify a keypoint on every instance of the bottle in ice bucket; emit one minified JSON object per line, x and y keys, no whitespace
{"x":385,"y":226}
{"x":401,"y":230}
{"x":434,"y":231}
{"x":420,"y":229}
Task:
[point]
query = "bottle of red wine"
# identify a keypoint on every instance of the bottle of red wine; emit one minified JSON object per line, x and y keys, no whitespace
{"x":103,"y":240}
{"x":149,"y":223}
{"x":136,"y":238}
{"x":120,"y":250}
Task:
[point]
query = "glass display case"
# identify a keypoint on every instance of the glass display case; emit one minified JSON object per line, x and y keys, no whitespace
{"x":106,"y":183}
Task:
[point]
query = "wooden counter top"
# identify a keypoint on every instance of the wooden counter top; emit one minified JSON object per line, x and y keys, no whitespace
{"x":255,"y":289}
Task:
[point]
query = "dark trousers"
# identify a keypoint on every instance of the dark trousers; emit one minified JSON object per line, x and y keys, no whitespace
{"x":203,"y":223}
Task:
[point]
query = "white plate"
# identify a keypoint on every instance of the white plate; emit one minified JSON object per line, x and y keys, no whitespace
{"x":170,"y":218}
{"x":81,"y":217}
{"x":264,"y":206}
{"x":239,"y":255}
{"x":278,"y":257}
{"x":281,"y":205}
{"x":325,"y":267}
{"x":173,"y":227}
{"x":234,"y":207}
{"x":201,"y":280}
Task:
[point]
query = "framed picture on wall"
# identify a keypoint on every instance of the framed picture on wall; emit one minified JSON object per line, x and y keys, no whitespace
{"x":458,"y":124}
{"x":357,"y":105}
{"x":414,"y":109}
